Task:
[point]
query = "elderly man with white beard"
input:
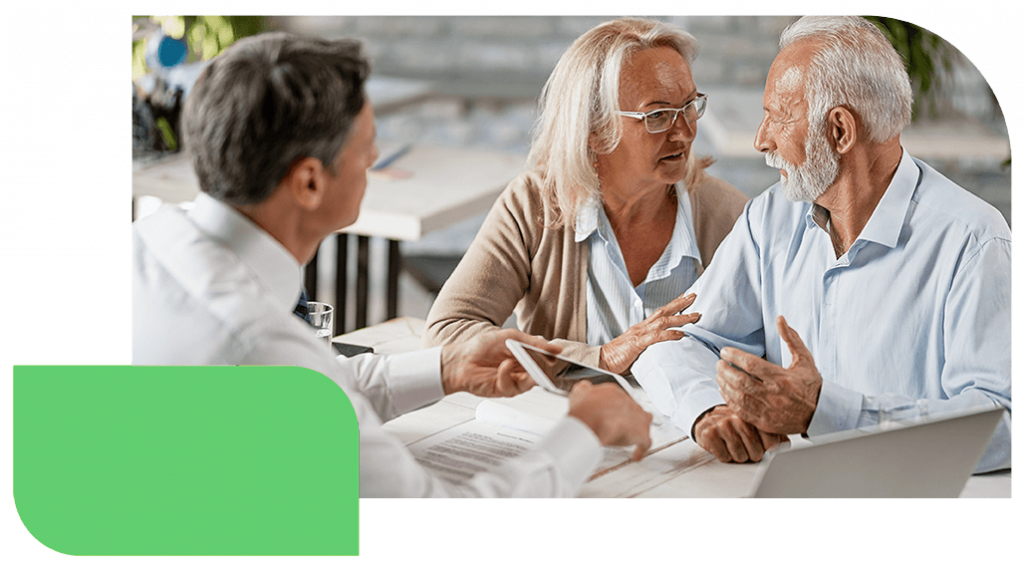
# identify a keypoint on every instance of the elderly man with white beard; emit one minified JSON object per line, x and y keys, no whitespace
{"x":863,"y":281}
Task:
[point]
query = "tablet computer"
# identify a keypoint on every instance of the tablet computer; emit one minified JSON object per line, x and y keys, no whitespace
{"x":559,"y":374}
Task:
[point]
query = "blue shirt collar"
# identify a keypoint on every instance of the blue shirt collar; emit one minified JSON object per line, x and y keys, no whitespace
{"x":886,"y":221}
{"x":590,"y":219}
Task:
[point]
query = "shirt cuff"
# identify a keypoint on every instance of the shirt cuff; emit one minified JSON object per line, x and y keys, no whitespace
{"x":414,"y":379}
{"x":696,"y":403}
{"x":838,"y":409}
{"x":575,"y":448}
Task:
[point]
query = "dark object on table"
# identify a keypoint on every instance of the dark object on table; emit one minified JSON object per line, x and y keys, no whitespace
{"x":350,"y":350}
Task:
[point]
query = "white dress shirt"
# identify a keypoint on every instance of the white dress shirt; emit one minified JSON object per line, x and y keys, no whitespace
{"x":613,"y":303}
{"x":212,"y":288}
{"x":917,"y":311}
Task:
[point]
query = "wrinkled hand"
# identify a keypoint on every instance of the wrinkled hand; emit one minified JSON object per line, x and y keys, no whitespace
{"x":730,"y":439}
{"x":484,"y":366}
{"x":619,"y":354}
{"x":772,"y":398}
{"x":613,"y":416}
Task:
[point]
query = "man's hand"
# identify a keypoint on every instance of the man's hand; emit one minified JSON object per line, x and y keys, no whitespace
{"x":772,"y":398}
{"x":613,"y":416}
{"x":619,"y":354}
{"x":484,"y":366}
{"x":724,"y":434}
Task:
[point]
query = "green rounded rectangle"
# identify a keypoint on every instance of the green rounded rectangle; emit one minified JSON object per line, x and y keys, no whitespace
{"x":214,"y":460}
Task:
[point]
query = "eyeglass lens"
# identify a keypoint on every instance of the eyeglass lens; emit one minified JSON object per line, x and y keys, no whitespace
{"x":660,"y":120}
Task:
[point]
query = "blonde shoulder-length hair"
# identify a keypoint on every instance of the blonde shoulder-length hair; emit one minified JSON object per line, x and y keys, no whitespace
{"x":581,"y":98}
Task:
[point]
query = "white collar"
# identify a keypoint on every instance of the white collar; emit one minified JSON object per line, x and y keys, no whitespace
{"x":272,"y":265}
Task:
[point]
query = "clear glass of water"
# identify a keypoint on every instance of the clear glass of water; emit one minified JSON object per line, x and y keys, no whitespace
{"x":321,"y":318}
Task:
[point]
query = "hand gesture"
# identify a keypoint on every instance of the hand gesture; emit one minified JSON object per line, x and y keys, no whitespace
{"x":484,"y":366}
{"x":613,"y":416}
{"x":772,"y":398}
{"x":619,"y":354}
{"x":724,"y":434}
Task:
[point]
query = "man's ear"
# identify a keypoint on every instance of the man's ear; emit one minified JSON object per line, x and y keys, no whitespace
{"x":842,"y":129}
{"x":305,"y":182}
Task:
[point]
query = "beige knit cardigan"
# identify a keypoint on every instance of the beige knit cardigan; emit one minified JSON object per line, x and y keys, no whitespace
{"x":520,"y":262}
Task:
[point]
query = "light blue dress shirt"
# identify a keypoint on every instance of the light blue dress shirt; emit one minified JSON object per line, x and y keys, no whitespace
{"x":917,"y":310}
{"x":613,"y":303}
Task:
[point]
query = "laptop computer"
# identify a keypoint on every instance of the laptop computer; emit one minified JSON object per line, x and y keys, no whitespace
{"x":930,"y":459}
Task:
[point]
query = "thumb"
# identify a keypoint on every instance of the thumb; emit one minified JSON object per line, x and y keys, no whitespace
{"x":582,"y":386}
{"x":797,"y":349}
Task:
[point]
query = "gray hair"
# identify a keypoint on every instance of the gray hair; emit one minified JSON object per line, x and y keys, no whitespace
{"x":855,"y":66}
{"x":267,"y":101}
{"x":581,"y":98}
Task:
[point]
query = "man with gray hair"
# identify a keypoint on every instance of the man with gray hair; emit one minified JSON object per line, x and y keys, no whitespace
{"x":281,"y":136}
{"x":882,"y":285}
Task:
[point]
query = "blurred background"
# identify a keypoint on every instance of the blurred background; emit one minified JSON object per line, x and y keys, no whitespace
{"x":472,"y":82}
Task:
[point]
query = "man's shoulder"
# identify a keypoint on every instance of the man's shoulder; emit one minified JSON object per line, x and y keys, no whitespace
{"x":941,"y":198}
{"x":771,"y":207}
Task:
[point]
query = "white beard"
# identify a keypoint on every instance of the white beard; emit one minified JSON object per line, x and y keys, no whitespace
{"x":810,"y":180}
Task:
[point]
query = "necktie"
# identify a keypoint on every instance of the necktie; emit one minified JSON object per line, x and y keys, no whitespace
{"x":301,"y":310}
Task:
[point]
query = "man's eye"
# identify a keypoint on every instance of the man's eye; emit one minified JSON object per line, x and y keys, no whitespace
{"x":655,"y":115}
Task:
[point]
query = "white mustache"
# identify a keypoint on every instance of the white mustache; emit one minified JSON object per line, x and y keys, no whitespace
{"x":774,"y":160}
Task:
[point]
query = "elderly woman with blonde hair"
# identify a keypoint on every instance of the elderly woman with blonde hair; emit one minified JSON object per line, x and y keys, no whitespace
{"x":596,"y":244}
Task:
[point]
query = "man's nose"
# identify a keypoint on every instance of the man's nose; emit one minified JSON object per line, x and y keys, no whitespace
{"x":762,"y":141}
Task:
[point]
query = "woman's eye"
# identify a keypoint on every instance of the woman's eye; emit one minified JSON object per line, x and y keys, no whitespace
{"x":655,"y":115}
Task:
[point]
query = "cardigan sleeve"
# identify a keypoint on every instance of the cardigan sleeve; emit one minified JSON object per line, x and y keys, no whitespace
{"x":519,"y":263}
{"x":492,"y":277}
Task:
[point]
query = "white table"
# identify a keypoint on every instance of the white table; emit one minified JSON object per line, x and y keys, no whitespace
{"x":681,"y":469}
{"x":427,"y":189}
{"x":444,"y":186}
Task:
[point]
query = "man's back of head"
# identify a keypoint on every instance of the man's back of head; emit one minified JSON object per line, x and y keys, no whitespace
{"x":267,"y":101}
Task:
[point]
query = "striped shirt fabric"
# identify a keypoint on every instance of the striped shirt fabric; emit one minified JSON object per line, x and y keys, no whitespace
{"x":613,"y":303}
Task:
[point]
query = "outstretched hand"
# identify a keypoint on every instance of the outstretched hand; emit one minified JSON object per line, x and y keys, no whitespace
{"x":772,"y":398}
{"x":484,"y":366}
{"x":619,"y":354}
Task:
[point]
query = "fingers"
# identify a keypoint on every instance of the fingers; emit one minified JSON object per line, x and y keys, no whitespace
{"x":753,"y":365}
{"x":742,"y":441}
{"x":771,"y":441}
{"x":641,"y":449}
{"x":730,"y":439}
{"x":612,"y":415}
{"x":511,"y":379}
{"x":581,"y":387}
{"x":678,"y":305}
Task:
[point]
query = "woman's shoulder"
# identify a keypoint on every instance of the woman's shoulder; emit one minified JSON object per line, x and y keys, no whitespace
{"x":524,"y":196}
{"x":714,"y":190}
{"x":715,"y":199}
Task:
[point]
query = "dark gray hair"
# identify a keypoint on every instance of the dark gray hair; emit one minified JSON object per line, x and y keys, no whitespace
{"x":267,"y":101}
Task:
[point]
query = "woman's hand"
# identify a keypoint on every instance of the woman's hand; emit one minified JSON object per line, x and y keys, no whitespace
{"x":619,"y":354}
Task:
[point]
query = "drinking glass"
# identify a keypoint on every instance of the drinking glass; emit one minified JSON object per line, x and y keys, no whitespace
{"x":321,"y":318}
